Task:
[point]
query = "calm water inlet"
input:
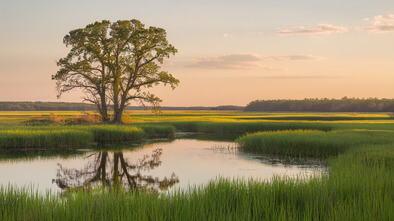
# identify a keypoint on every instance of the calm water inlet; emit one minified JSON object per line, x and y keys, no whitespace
{"x":184,"y":162}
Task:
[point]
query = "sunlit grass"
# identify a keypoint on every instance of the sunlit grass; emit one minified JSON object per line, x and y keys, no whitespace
{"x":42,"y":138}
{"x":303,"y":143}
{"x":358,"y":186}
{"x":80,"y":135}
{"x":214,"y":116}
{"x":219,"y":122}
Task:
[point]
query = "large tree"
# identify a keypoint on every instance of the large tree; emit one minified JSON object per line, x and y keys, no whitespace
{"x":135,"y":65}
{"x":114,"y":64}
{"x":86,"y":65}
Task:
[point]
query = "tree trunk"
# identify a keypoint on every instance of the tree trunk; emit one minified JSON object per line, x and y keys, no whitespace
{"x":117,"y":106}
{"x":104,"y":109}
{"x":104,"y":112}
{"x":118,"y":115}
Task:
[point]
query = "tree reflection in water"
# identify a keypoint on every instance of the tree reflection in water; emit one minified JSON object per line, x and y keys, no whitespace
{"x":115,"y":172}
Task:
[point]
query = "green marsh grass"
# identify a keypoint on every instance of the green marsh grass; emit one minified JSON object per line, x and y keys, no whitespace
{"x":358,"y":185}
{"x":318,"y":118}
{"x":247,"y":127}
{"x":19,"y":137}
{"x":158,"y":131}
{"x":42,"y":138}
{"x":302,"y":143}
{"x":116,"y":134}
{"x":111,"y":134}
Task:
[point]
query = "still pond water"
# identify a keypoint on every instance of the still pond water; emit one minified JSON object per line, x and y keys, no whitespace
{"x":193,"y":162}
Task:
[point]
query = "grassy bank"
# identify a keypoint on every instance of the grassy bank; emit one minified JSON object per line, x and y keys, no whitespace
{"x":358,"y":187}
{"x":246,"y":127}
{"x":311,"y":143}
{"x":72,"y":136}
{"x":111,"y":134}
{"x":42,"y":138}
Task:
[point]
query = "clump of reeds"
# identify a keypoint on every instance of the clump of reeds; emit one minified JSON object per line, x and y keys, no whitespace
{"x":158,"y":131}
{"x":125,"y":133}
{"x":44,"y":138}
{"x":311,"y":143}
{"x":116,"y":134}
{"x":79,"y":135}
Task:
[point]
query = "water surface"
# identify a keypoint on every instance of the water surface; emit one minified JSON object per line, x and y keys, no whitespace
{"x":194,"y":162}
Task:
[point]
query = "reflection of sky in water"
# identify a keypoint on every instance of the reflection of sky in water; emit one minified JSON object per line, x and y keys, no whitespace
{"x":194,"y":162}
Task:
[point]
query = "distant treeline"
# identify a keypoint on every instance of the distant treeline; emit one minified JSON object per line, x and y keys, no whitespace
{"x":324,"y":105}
{"x":65,"y":106}
{"x":45,"y":106}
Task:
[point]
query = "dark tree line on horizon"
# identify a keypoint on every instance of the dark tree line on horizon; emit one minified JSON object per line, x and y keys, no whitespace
{"x":45,"y":106}
{"x":307,"y":105}
{"x":324,"y":105}
{"x":66,"y":106}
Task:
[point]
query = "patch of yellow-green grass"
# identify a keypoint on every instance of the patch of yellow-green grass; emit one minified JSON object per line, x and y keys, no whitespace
{"x":234,"y":116}
{"x":138,"y":116}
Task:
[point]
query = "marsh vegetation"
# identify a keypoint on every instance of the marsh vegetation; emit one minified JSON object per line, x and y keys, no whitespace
{"x":357,"y":186}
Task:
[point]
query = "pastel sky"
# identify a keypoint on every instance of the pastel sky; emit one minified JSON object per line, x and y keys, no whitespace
{"x":230,"y":52}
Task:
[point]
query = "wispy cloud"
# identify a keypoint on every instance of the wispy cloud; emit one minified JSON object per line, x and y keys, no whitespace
{"x":245,"y":61}
{"x":379,"y":24}
{"x":320,"y":29}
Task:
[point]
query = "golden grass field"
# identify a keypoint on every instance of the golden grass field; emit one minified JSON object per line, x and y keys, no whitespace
{"x":145,"y":116}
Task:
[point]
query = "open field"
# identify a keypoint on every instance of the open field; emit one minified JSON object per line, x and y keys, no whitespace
{"x":171,"y":116}
{"x":50,"y":129}
{"x":23,"y":134}
{"x":358,"y":186}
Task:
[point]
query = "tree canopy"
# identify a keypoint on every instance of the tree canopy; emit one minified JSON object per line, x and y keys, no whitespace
{"x":115,"y":63}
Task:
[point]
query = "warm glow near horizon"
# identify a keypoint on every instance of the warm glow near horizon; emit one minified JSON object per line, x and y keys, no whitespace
{"x":230,"y":52}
